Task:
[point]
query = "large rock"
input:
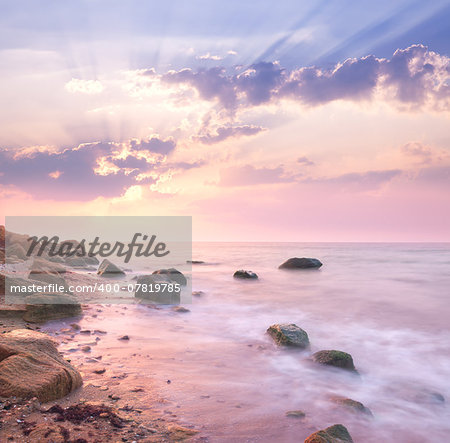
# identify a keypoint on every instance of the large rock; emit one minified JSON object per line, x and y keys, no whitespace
{"x":44,"y":307}
{"x":16,"y":250}
{"x":289,"y":335}
{"x":338,"y":359}
{"x":46,"y":279}
{"x":333,"y":434}
{"x":245,"y":274}
{"x":301,"y":263}
{"x":43,"y":266}
{"x":81,"y":262}
{"x":173,"y":274}
{"x":31,"y":366}
{"x":351,"y":405}
{"x":146,"y":288}
{"x":108,"y":269}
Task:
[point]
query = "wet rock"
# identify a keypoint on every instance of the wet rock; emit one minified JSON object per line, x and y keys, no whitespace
{"x":180,"y":309}
{"x":108,"y":269}
{"x":31,"y":366}
{"x":429,"y":397}
{"x":301,"y":263}
{"x":48,"y":278}
{"x":351,"y":405}
{"x":198,"y":293}
{"x":337,"y":359}
{"x":195,"y":262}
{"x":173,"y":275}
{"x":124,"y":337}
{"x":333,"y":434}
{"x":44,"y":307}
{"x":289,"y":335}
{"x":168,"y":293}
{"x":86,"y":349}
{"x":245,"y":274}
{"x":99,"y":371}
{"x":75,"y":326}
{"x":295,"y":414}
{"x":43,"y":266}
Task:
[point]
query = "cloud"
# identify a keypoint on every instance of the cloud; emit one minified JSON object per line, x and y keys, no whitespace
{"x":417,"y":150}
{"x":208,"y":56}
{"x":305,"y":161}
{"x":360,"y":181}
{"x":86,"y":171}
{"x":411,"y":78}
{"x":248,"y":175}
{"x":225,"y":132}
{"x":77,"y":85}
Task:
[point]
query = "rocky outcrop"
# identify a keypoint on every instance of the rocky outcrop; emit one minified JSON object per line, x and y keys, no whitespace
{"x":337,"y":359}
{"x":351,"y":405}
{"x":173,"y":274}
{"x":333,"y":434}
{"x":159,"y":289}
{"x":108,"y":269}
{"x":245,"y":274}
{"x":289,"y":335}
{"x":301,"y":263}
{"x":45,"y":306}
{"x":31,"y":366}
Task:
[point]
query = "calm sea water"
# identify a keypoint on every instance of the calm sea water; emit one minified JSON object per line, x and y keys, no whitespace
{"x":386,"y":304}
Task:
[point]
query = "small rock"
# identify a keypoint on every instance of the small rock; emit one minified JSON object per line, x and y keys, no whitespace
{"x":352,"y":405}
{"x":180,"y":309}
{"x":245,"y":274}
{"x":332,"y":434}
{"x":124,"y":337}
{"x":338,"y":359}
{"x":99,"y":371}
{"x":301,"y":263}
{"x":296,"y":414}
{"x":86,"y":348}
{"x":197,"y":293}
{"x":289,"y":335}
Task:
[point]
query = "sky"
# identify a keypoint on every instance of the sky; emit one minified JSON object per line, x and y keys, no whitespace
{"x":285,"y":121}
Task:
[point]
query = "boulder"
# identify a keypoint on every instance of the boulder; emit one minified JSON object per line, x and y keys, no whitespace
{"x":81,"y":262}
{"x":338,"y":359}
{"x":16,"y":250}
{"x":173,"y":274}
{"x":46,"y":306}
{"x":31,"y":366}
{"x":108,"y":269}
{"x":245,"y":274}
{"x":352,"y":405}
{"x":146,"y":289}
{"x":45,"y":279}
{"x":301,"y":263}
{"x":333,"y":434}
{"x":44,"y":266}
{"x":289,"y":335}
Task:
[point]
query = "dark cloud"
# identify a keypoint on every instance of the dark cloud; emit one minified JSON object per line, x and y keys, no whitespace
{"x":412,"y":76}
{"x":224,"y":132}
{"x":248,"y":175}
{"x":70,"y":174}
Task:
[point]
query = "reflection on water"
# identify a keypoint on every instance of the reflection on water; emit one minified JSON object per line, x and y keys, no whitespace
{"x":385,"y":304}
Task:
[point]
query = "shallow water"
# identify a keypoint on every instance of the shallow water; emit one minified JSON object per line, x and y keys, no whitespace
{"x":386,"y":304}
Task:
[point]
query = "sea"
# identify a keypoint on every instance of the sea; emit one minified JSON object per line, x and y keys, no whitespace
{"x":387,"y":304}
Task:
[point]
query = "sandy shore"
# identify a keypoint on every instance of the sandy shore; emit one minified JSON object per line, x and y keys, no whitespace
{"x":107,"y":408}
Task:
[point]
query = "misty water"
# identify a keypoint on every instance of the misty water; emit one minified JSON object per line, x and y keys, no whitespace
{"x":385,"y":304}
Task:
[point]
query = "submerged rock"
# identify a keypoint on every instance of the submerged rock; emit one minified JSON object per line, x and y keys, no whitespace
{"x":173,"y":274}
{"x":332,"y":434}
{"x":295,"y":414}
{"x":31,"y":366}
{"x":159,"y":289}
{"x":245,"y":274}
{"x":108,"y":269}
{"x":351,"y":405}
{"x":338,"y":359}
{"x":289,"y":335}
{"x":45,"y":306}
{"x":301,"y":263}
